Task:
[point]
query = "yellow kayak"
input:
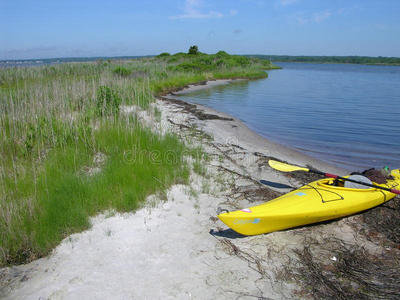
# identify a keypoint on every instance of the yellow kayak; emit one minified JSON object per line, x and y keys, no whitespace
{"x":318,"y":201}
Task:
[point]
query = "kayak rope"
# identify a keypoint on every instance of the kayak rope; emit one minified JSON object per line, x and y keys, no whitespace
{"x":384,"y":196}
{"x":322,"y":197}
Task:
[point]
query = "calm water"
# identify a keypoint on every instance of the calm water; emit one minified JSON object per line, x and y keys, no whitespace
{"x":348,"y":115}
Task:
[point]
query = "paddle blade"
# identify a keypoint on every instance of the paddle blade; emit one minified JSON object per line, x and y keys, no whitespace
{"x":280,"y":166}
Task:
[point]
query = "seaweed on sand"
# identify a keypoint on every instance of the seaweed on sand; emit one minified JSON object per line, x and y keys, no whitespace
{"x":354,"y":274}
{"x":384,"y":219}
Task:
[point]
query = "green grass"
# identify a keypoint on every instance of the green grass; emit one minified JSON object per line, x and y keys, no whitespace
{"x":56,"y":121}
{"x":169,"y":84}
{"x":60,"y":196}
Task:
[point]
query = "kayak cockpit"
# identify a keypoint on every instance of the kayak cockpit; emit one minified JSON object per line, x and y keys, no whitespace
{"x":337,"y":184}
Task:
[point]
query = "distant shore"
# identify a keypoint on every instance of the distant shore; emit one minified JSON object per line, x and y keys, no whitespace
{"x":355,"y":60}
{"x":359,"y":60}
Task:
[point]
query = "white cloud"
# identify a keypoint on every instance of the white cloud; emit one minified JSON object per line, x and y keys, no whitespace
{"x":321,"y":16}
{"x":348,"y":10}
{"x":300,"y":18}
{"x":30,"y":50}
{"x":193,"y":10}
{"x":304,"y":17}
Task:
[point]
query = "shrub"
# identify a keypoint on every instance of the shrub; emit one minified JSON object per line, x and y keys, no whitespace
{"x":191,"y":67}
{"x":121,"y":71}
{"x":180,"y":54}
{"x":221,"y":54}
{"x":160,"y":75}
{"x":193,"y":50}
{"x":108,"y":101}
{"x":172,"y":60}
{"x":207,"y":60}
{"x":241,"y":60}
{"x":164,"y":54}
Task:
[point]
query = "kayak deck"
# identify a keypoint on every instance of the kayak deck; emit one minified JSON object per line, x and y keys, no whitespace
{"x":315,"y":202}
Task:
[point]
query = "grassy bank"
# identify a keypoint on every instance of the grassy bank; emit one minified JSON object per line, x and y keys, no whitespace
{"x":68,"y":153}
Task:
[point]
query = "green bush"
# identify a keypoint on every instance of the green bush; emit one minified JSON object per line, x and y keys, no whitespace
{"x":230,"y":61}
{"x":193,"y":50}
{"x":172,"y":60}
{"x":180,"y":54}
{"x":207,"y":60}
{"x":160,"y":75}
{"x":241,"y":60}
{"x":164,"y":54}
{"x":108,"y":101}
{"x":191,"y":67}
{"x":121,"y":71}
{"x":221,"y":54}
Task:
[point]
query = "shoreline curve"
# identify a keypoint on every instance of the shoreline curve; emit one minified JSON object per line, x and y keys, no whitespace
{"x":237,"y":130}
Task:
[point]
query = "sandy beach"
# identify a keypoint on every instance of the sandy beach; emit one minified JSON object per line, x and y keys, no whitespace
{"x":177,"y":248}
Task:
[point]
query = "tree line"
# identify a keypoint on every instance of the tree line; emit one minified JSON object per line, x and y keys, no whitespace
{"x":362,"y":60}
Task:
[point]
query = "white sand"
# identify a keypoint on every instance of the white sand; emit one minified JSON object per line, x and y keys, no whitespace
{"x":165,"y":251}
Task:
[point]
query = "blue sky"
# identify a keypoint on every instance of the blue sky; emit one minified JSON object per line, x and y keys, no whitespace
{"x":78,"y":28}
